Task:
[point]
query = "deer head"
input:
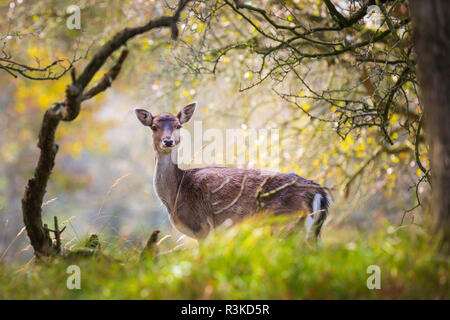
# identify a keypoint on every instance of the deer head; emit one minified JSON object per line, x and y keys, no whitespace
{"x":166,"y":126}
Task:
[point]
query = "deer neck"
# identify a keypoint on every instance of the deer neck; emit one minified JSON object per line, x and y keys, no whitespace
{"x":167,"y":178}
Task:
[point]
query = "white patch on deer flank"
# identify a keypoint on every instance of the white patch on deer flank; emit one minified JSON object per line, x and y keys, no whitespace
{"x":311,"y":218}
{"x":308,"y":224}
{"x":316,"y":202}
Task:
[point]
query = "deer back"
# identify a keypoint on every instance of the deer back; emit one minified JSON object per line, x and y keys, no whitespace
{"x":215,"y":194}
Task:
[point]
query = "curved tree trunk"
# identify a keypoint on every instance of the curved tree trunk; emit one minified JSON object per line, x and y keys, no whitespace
{"x":431,"y":25}
{"x":68,"y":110}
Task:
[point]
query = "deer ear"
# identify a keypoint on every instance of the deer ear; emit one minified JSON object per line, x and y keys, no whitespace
{"x":186,"y":113}
{"x":144,"y":116}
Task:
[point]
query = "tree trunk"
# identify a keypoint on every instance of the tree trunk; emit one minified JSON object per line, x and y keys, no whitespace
{"x":431,"y":25}
{"x":68,"y":110}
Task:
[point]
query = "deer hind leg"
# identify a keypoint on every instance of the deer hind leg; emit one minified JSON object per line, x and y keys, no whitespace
{"x":316,"y":218}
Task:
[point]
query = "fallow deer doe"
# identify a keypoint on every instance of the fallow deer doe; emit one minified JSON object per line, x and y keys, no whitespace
{"x":198,"y":200}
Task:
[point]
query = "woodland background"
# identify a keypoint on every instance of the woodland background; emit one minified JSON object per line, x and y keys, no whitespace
{"x":344,"y":98}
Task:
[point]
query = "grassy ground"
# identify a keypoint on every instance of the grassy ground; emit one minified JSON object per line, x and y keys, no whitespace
{"x":245,"y":262}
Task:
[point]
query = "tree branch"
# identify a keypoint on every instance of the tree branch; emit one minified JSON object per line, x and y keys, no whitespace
{"x":68,"y":110}
{"x":107,"y":79}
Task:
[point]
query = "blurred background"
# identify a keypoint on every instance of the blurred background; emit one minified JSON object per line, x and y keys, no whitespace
{"x":102,"y":180}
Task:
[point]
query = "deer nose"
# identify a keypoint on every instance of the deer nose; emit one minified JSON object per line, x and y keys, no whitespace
{"x":168,"y":142}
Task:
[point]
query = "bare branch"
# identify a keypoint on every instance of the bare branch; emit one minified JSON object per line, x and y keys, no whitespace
{"x":107,"y":79}
{"x":68,"y":110}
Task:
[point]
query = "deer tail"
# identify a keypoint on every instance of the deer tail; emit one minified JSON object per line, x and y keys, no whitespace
{"x":319,"y":209}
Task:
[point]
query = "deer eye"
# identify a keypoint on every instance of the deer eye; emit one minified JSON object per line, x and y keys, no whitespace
{"x":178,"y":126}
{"x":154,"y":128}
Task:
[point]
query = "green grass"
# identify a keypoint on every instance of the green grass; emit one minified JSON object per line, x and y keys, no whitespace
{"x":246,"y":262}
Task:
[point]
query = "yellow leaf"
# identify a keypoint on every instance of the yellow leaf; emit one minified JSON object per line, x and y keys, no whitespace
{"x":361,"y":147}
{"x":33,"y":52}
{"x":393,"y":119}
{"x":324,"y":159}
{"x":394,"y":136}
